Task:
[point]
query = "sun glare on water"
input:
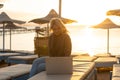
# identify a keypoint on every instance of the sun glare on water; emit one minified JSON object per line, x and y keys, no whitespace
{"x":83,"y":38}
{"x":89,"y":41}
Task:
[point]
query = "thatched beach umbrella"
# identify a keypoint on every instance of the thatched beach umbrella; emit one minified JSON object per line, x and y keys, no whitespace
{"x":115,"y":12}
{"x":4,"y":18}
{"x":11,"y":27}
{"x":52,"y":14}
{"x":106,"y":24}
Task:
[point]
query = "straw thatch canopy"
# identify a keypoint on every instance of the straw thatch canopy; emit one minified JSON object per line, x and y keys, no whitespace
{"x":12,"y":26}
{"x":107,"y":23}
{"x":4,"y":18}
{"x":115,"y":12}
{"x":52,"y":14}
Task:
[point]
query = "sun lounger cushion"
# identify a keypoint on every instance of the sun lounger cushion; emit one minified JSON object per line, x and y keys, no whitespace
{"x":81,"y":70}
{"x":4,"y":56}
{"x":28,"y":59}
{"x":116,"y":78}
{"x":4,"y":77}
{"x":105,"y":61}
{"x":103,"y":55}
{"x":84,"y":58}
{"x":15,"y":71}
{"x":116,"y":72}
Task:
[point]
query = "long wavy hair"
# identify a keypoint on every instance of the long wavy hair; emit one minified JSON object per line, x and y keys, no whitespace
{"x":59,"y":22}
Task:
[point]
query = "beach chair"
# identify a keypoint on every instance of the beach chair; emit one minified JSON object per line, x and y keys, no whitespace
{"x":81,"y":71}
{"x":27,"y":59}
{"x":115,"y":73}
{"x":4,"y":56}
{"x":103,"y":64}
{"x":84,"y":58}
{"x":4,"y":77}
{"x":15,"y":72}
{"x":105,"y":61}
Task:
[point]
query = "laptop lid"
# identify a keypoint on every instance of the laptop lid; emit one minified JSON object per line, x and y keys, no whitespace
{"x":59,"y":65}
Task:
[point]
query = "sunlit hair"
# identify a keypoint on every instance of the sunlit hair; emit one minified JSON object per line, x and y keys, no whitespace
{"x":57,"y":22}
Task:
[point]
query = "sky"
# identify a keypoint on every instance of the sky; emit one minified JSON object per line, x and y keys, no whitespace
{"x":84,"y":11}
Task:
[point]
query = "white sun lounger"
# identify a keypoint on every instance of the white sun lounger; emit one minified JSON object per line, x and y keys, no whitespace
{"x":116,"y":72}
{"x":4,"y":56}
{"x":27,"y":59}
{"x":4,"y":77}
{"x":105,"y":61}
{"x":15,"y":72}
{"x":81,"y":71}
{"x":85,"y":58}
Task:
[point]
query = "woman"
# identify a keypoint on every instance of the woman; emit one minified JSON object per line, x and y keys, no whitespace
{"x":59,"y":45}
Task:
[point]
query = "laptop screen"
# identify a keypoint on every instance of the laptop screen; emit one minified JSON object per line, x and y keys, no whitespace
{"x":59,"y":65}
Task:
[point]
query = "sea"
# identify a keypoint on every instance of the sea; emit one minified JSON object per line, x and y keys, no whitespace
{"x":84,"y":40}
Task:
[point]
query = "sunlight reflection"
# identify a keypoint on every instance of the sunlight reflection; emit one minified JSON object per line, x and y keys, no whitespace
{"x":86,"y":42}
{"x":89,"y":40}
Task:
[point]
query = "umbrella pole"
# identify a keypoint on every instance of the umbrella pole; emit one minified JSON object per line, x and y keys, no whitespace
{"x":10,"y":38}
{"x":60,"y":3}
{"x":3,"y":37}
{"x":108,"y":41}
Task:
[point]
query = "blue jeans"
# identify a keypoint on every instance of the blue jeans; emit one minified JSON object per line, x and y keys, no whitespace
{"x":37,"y":66}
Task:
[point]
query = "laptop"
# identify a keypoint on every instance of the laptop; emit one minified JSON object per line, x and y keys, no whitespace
{"x":59,"y":65}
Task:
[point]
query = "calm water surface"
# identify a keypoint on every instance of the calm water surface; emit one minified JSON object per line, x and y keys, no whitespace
{"x":84,"y":40}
